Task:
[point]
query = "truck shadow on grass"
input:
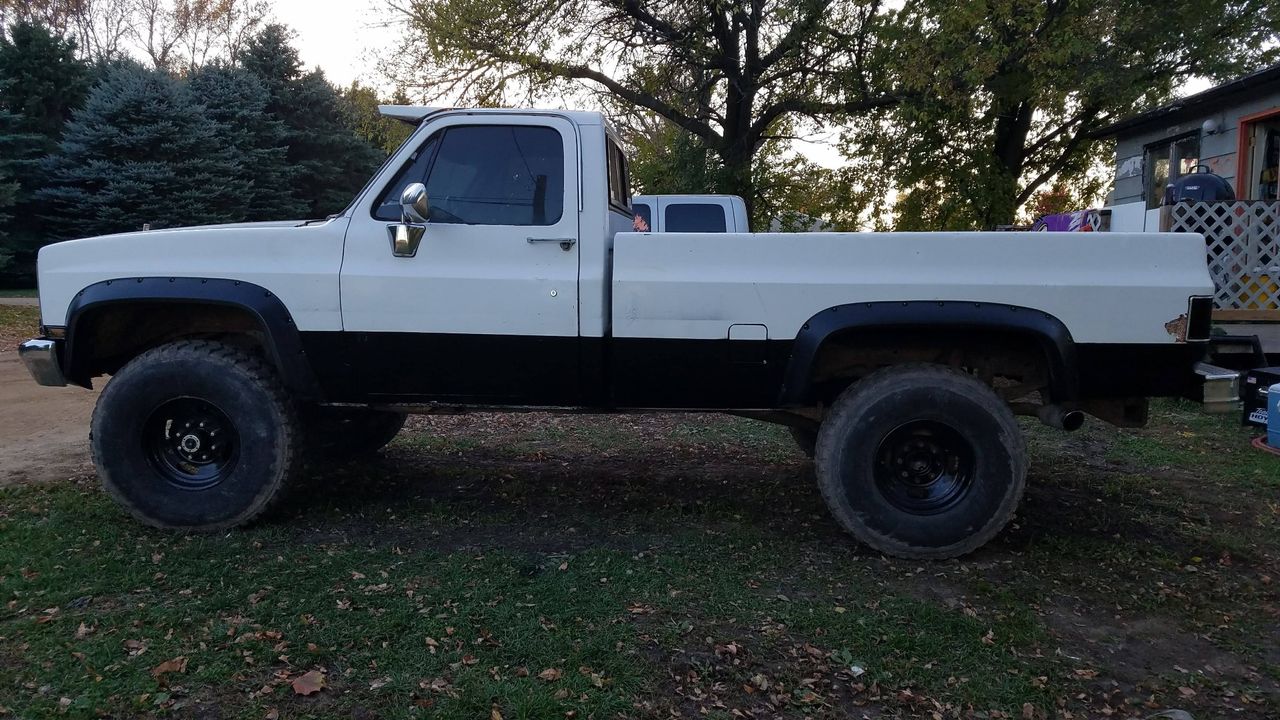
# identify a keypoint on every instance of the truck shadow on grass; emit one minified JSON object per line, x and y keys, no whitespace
{"x":659,"y":565}
{"x":1148,"y":559}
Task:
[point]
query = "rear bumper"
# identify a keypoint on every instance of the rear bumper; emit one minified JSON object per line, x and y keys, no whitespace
{"x":41,"y":358}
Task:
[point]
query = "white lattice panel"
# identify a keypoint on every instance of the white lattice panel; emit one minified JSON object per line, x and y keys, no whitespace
{"x":1243,"y":243}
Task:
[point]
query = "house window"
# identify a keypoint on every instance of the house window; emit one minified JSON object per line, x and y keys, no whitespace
{"x":1167,"y":161}
{"x":1262,"y":160}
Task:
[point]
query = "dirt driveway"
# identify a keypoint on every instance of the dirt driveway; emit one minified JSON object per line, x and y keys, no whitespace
{"x":44,"y":432}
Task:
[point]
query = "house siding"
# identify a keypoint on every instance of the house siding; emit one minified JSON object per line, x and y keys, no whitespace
{"x":1218,"y":151}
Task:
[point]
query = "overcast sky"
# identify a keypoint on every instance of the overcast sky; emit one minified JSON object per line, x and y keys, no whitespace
{"x":340,"y":36}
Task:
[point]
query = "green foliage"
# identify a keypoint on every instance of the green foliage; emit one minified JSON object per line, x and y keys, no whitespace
{"x":142,"y":150}
{"x":8,"y":196}
{"x":331,"y":162}
{"x":1000,"y":96}
{"x":364,"y":119}
{"x":790,"y":193}
{"x":726,"y":73}
{"x":236,"y":101}
{"x":41,"y":81}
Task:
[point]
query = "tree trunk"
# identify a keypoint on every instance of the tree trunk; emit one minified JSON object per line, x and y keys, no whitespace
{"x":1009,"y":148}
{"x":737,"y":178}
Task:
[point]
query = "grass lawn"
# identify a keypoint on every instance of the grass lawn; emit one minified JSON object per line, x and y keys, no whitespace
{"x":535,"y":566}
{"x":17,"y":323}
{"x":20,"y":292}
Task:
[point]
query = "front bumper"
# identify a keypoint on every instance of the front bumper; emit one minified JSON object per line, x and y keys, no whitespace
{"x":41,"y":358}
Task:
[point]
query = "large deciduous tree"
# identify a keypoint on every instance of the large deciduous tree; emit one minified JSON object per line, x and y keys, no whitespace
{"x":172,"y":34}
{"x":792,"y":193}
{"x":1000,"y":96}
{"x":384,"y":133}
{"x":725,"y":72}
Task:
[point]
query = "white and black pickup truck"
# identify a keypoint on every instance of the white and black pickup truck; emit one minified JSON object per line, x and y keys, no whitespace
{"x":492,"y":263}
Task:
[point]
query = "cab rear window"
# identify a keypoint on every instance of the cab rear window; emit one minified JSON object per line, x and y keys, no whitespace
{"x":693,"y":217}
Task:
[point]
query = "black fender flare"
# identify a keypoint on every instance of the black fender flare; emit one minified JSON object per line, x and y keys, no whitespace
{"x":1052,"y":336}
{"x":283,"y":340}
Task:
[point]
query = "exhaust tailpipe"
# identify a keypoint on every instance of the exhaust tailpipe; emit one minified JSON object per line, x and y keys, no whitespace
{"x":1059,"y":417}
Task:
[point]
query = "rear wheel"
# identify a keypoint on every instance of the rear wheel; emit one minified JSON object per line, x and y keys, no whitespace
{"x":195,"y":435}
{"x":921,"y":461}
{"x":346,"y":433}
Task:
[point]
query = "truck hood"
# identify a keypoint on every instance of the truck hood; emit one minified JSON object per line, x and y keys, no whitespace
{"x":275,"y":255}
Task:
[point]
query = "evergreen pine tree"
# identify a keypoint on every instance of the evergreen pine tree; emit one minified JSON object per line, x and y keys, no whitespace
{"x":8,"y":196}
{"x":141,"y":151}
{"x":236,"y":101}
{"x":331,"y":162}
{"x":41,"y":82}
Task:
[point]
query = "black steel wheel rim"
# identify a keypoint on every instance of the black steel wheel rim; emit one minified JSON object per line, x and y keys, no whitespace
{"x":924,"y":467}
{"x":191,"y":443}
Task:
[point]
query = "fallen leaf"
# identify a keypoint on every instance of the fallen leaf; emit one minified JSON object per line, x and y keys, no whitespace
{"x":1186,"y":692}
{"x":272,"y":714}
{"x":84,"y":631}
{"x":135,"y":647}
{"x":494,"y":714}
{"x":309,"y":683}
{"x":989,"y":638}
{"x":176,"y":665}
{"x":550,"y":674}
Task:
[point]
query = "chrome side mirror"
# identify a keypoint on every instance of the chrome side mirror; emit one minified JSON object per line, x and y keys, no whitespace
{"x":414,"y":208}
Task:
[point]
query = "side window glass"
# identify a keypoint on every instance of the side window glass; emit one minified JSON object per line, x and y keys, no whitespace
{"x":694,"y":217}
{"x":498,"y":175}
{"x":414,"y":170}
{"x":619,"y":188}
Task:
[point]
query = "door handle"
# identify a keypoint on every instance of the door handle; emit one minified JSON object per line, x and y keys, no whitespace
{"x":565,"y":243}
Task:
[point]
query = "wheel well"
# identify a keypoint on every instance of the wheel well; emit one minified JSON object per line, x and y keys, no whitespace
{"x":1012,"y":362}
{"x":104,"y":338}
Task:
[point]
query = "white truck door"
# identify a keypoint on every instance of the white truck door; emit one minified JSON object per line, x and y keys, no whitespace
{"x":487,"y":308}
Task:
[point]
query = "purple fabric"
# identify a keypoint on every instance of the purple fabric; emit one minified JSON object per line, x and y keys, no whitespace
{"x":1078,"y":221}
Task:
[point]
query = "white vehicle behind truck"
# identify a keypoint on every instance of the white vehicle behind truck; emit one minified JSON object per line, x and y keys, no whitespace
{"x":491,"y":263}
{"x":691,"y":213}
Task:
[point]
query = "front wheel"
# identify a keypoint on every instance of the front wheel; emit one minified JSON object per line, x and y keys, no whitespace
{"x":195,"y":435}
{"x":921,"y":462}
